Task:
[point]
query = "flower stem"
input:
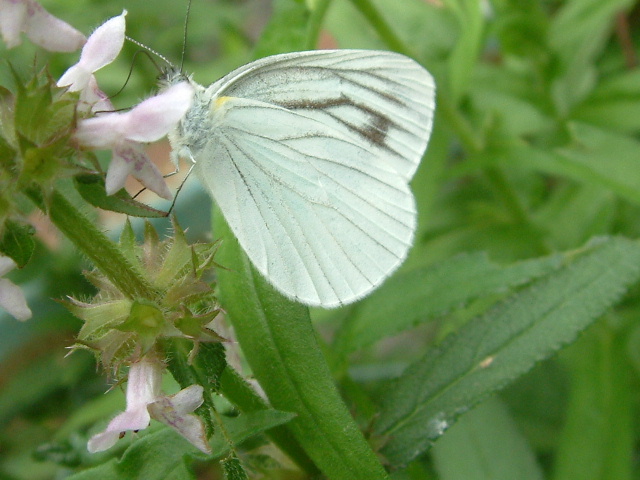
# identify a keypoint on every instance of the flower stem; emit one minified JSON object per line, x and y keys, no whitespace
{"x":377,"y":21}
{"x":279,"y":341}
{"x":315,"y":23}
{"x":104,"y":254}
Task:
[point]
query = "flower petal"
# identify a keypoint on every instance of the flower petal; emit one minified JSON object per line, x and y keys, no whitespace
{"x":143,"y":386}
{"x":173,"y":411}
{"x":13,"y":301}
{"x":134,"y":420}
{"x":187,"y":399}
{"x":102,"y":132}
{"x":102,"y":441}
{"x":94,"y":99}
{"x":6,"y":265}
{"x":104,"y":44}
{"x":102,"y":47}
{"x":50,"y":32}
{"x":129,"y":158}
{"x":153,"y":118}
{"x":119,"y":170}
{"x":150,"y":177}
{"x":12,"y":19}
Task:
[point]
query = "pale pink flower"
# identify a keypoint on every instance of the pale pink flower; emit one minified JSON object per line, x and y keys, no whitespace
{"x":11,"y":297}
{"x":102,"y":47}
{"x":42,"y":28}
{"x":124,"y":133}
{"x":145,"y":401}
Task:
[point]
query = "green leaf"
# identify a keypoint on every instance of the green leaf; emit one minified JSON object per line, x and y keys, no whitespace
{"x":596,"y":157}
{"x":417,"y":296}
{"x":279,"y":342}
{"x":164,"y":454}
{"x":488,"y":440}
{"x":578,"y":33}
{"x":597,"y":442}
{"x":493,"y":350}
{"x":614,"y":104}
{"x":212,"y":360}
{"x":286,"y":30}
{"x":233,"y":469}
{"x":92,"y":189}
{"x":463,"y":58}
{"x":521,"y":27}
{"x":17,"y":242}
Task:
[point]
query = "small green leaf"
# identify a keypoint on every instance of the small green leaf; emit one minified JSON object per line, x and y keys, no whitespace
{"x":17,"y":242}
{"x":482,"y":438}
{"x":420,"y":295}
{"x":233,"y":469}
{"x":493,"y":350}
{"x":92,"y":189}
{"x":212,"y":360}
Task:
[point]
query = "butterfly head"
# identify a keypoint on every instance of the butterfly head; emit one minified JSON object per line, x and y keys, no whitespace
{"x":170,"y":76}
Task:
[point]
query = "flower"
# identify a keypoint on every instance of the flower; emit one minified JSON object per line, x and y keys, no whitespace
{"x":42,"y":28}
{"x":11,"y":297}
{"x":102,"y":47}
{"x":148,"y":121}
{"x":144,"y":401}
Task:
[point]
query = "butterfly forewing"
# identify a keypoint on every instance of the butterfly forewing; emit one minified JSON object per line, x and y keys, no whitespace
{"x":309,"y":156}
{"x":383,"y":100}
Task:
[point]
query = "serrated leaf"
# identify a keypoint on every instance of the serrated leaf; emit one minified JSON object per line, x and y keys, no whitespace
{"x":17,"y":242}
{"x":92,"y":189}
{"x":493,"y":350}
{"x":233,"y":469}
{"x":420,"y":295}
{"x":212,"y":360}
{"x":488,"y":440}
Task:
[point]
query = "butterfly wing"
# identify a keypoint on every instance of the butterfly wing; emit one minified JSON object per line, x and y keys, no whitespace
{"x":383,"y":100}
{"x":308,"y":156}
{"x":317,"y":218}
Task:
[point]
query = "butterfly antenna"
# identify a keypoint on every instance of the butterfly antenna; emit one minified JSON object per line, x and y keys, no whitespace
{"x":175,"y":197}
{"x":184,"y":180}
{"x":151,"y":51}
{"x":184,"y":39}
{"x":133,"y":62}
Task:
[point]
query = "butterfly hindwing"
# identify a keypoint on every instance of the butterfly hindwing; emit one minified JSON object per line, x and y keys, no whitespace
{"x":316,"y":217}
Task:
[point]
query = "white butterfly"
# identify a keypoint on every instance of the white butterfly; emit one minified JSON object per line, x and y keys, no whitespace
{"x":309,"y":155}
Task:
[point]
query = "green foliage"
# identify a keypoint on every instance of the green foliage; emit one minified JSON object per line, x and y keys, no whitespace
{"x":507,"y":346}
{"x":498,"y":347}
{"x":164,"y":454}
{"x":92,"y":189}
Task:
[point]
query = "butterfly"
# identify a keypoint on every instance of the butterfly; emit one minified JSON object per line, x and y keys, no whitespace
{"x":309,"y":156}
